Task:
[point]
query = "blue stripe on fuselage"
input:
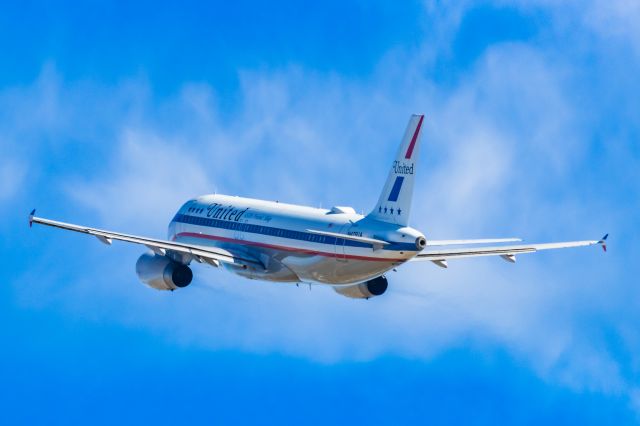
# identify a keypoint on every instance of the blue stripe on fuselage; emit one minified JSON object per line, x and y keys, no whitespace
{"x":283,"y":233}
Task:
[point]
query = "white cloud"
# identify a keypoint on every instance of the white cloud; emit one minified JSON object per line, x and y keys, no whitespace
{"x":615,"y":19}
{"x":12,"y":176}
{"x":607,"y":21}
{"x":149,"y":179}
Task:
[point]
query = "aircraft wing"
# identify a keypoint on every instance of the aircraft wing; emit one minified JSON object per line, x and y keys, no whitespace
{"x":461,"y":242}
{"x":508,"y":253}
{"x":201,"y":254}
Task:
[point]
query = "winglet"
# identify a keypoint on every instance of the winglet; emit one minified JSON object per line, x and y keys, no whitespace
{"x":603,"y":242}
{"x":33,"y":212}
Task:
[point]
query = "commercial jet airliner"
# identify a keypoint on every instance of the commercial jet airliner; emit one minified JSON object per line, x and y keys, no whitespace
{"x":274,"y":241}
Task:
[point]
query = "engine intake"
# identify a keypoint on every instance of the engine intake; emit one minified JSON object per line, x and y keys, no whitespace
{"x":371,"y":288}
{"x":421,"y":243}
{"x":162,"y":273}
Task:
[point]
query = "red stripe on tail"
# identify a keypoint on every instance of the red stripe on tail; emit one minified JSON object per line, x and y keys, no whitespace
{"x":413,"y":139}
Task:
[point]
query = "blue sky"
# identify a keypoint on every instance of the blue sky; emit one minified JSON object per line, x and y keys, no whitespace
{"x":112,"y":114}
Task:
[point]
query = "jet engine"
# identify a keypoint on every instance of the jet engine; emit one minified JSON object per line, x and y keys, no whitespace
{"x":371,"y":288}
{"x":162,"y":273}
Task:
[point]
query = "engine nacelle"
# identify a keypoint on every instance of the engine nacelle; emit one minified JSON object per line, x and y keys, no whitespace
{"x":371,"y":288}
{"x":162,"y":273}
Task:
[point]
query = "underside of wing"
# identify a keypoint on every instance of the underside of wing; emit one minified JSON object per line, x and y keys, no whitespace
{"x":507,"y":252}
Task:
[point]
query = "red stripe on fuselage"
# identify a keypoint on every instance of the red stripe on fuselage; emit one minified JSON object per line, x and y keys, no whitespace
{"x":284,"y":248}
{"x":413,"y":139}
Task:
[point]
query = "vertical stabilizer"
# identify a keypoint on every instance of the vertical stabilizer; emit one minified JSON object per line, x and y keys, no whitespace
{"x":394,"y":204}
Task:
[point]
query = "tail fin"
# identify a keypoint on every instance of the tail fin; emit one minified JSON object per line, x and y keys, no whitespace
{"x":394,"y":204}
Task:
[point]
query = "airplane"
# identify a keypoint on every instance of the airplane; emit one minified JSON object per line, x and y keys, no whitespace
{"x":273,"y":241}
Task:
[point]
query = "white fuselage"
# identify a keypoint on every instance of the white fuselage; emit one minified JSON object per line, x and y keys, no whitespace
{"x":277,"y":236}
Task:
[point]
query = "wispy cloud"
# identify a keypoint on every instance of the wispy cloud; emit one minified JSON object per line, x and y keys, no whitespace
{"x":148,"y":178}
{"x":12,"y":176}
